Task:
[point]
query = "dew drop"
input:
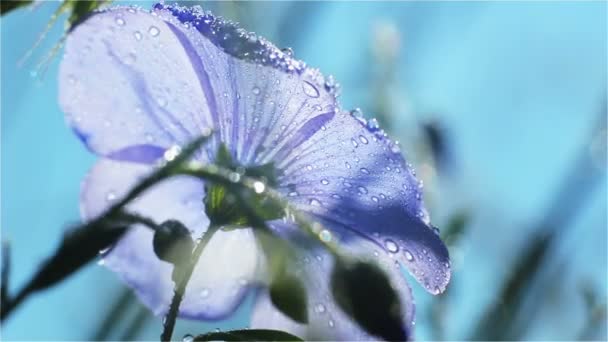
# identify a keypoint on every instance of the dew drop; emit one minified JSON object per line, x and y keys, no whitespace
{"x":172,"y":152}
{"x":153,"y":31}
{"x":110,"y":196}
{"x":310,"y":89}
{"x":408,"y":255}
{"x":331,"y":323}
{"x":255,"y":91}
{"x":364,"y":170}
{"x":120,"y":21}
{"x":347,"y":165}
{"x":375,"y":199}
{"x":137,"y":35}
{"x":259,"y":187}
{"x":162,"y":102}
{"x":355,"y":144}
{"x":362,"y":190}
{"x":363,"y":139}
{"x":324,"y":181}
{"x":325,"y":235}
{"x":319,"y":308}
{"x":314,"y":202}
{"x":391,"y":246}
{"x":288,"y":51}
{"x":130,"y":59}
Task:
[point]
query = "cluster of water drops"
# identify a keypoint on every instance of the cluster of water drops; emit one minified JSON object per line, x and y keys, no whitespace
{"x":235,"y":40}
{"x":373,"y":127}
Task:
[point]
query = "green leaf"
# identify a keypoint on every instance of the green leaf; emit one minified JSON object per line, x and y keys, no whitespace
{"x":288,"y":295}
{"x":80,"y":9}
{"x":221,"y":204}
{"x":248,"y":335}
{"x":9,"y":5}
{"x":363,"y":291}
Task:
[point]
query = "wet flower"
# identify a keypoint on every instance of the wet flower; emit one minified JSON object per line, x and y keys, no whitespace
{"x":136,"y":85}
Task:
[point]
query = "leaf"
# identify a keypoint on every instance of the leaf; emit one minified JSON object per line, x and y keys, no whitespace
{"x":5,"y":271}
{"x":289,"y":296}
{"x":79,"y":246}
{"x":248,"y":335}
{"x":9,"y":5}
{"x":221,"y":203}
{"x":456,"y":227}
{"x":80,"y":9}
{"x":364,"y":292}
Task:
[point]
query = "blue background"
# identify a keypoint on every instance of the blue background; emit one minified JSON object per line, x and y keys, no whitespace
{"x":517,"y":86}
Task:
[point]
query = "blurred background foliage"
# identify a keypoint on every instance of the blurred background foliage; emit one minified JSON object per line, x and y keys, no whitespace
{"x":501,"y":107}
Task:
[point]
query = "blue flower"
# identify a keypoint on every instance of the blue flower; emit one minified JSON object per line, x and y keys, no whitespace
{"x":135,"y":85}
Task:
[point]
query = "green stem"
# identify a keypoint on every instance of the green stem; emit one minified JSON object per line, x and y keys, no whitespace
{"x":180,"y":286}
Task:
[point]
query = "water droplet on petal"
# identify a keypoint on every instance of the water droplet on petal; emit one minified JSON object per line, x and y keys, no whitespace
{"x":319,"y":308}
{"x":391,"y":246}
{"x":364,"y":170}
{"x":162,"y":102}
{"x":153,"y":31}
{"x":255,"y":91}
{"x":288,"y":51}
{"x":362,"y":190}
{"x":310,"y":89}
{"x":110,"y":196}
{"x":331,"y":323}
{"x":324,"y":181}
{"x":205,"y":293}
{"x":314,"y":202}
{"x":363,"y":139}
{"x":408,"y":255}
{"x":137,"y":35}
{"x":120,"y":21}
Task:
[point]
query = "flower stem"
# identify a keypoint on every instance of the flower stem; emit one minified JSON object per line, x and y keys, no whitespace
{"x":182,"y":282}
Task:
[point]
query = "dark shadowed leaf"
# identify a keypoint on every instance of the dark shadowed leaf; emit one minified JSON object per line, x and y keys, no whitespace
{"x":79,"y":9}
{"x":248,"y":335}
{"x":364,"y":292}
{"x":455,"y":228}
{"x":9,"y":5}
{"x":5,"y":271}
{"x":289,"y":296}
{"x":79,"y":246}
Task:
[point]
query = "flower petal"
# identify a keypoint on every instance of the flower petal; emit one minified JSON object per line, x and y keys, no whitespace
{"x":126,"y":80}
{"x":263,"y":101}
{"x":326,"y":320}
{"x":355,"y":181}
{"x":220,"y":279}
